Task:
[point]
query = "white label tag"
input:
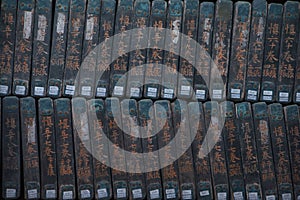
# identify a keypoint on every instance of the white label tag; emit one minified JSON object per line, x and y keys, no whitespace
{"x":235,"y":93}
{"x":154,"y":194}
{"x":3,"y":89}
{"x":170,"y":193}
{"x":50,"y":194}
{"x":27,"y":24}
{"x":252,"y":95}
{"x":187,"y":194}
{"x":135,"y":92}
{"x":89,"y":31}
{"x":283,"y":96}
{"x":175,"y":31}
{"x":267,"y":92}
{"x":68,"y":195}
{"x":298,"y":197}
{"x":118,"y":90}
{"x":298,"y":97}
{"x":70,"y":90}
{"x":102,"y":193}
{"x":11,"y":193}
{"x":200,"y":94}
{"x":53,"y":90}
{"x":32,"y":194}
{"x":84,"y":125}
{"x":39,"y":91}
{"x":270,"y":197}
{"x":169,"y":91}
{"x":252,"y":92}
{"x":253,"y":196}
{"x":121,"y":193}
{"x":137,"y":193}
{"x":287,"y":196}
{"x":20,"y":90}
{"x":168,"y":96}
{"x":152,"y":92}
{"x":42,"y":25}
{"x":86,"y":90}
{"x":222,"y":196}
{"x":267,"y":98}
{"x":207,"y":28}
{"x":31,"y":132}
{"x":60,"y":26}
{"x":217,"y":94}
{"x":238,"y":195}
{"x":204,"y":193}
{"x":85,"y":194}
{"x":101,"y":92}
{"x":185,"y":90}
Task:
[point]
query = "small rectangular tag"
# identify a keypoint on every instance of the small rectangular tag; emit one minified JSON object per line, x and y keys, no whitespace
{"x":27,"y":24}
{"x":152,"y":92}
{"x":53,"y":90}
{"x":85,"y":194}
{"x":86,"y":90}
{"x":137,"y":193}
{"x":3,"y":89}
{"x":154,"y":194}
{"x":11,"y":193}
{"x":60,"y":26}
{"x":121,"y":193}
{"x":70,"y":90}
{"x":39,"y":91}
{"x":50,"y":194}
{"x":32,"y":194}
{"x":204,"y":193}
{"x":222,"y":196}
{"x":68,"y":195}
{"x":102,"y":193}
{"x":20,"y":90}
{"x":135,"y":92}
{"x":187,"y":194}
{"x":101,"y":92}
{"x":118,"y":90}
{"x":170,"y":193}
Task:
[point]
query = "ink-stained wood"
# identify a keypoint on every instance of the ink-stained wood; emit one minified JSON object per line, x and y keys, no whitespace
{"x":150,"y":146}
{"x":47,"y":140}
{"x":99,"y":149}
{"x":41,"y":48}
{"x":23,"y":47}
{"x":64,"y":149}
{"x":203,"y":59}
{"x":239,"y":51}
{"x":203,"y":178}
{"x":256,"y":50}
{"x":74,"y":46}
{"x":280,"y":149}
{"x":172,"y":42}
{"x":271,"y":55}
{"x":155,"y":55}
{"x":30,"y":148}
{"x":138,"y":56}
{"x":58,"y":45}
{"x":288,"y":52}
{"x":249,"y":151}
{"x":7,"y":44}
{"x":11,"y":149}
{"x":264,"y":150}
{"x":102,"y":71}
{"x":232,"y":145}
{"x":89,"y":49}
